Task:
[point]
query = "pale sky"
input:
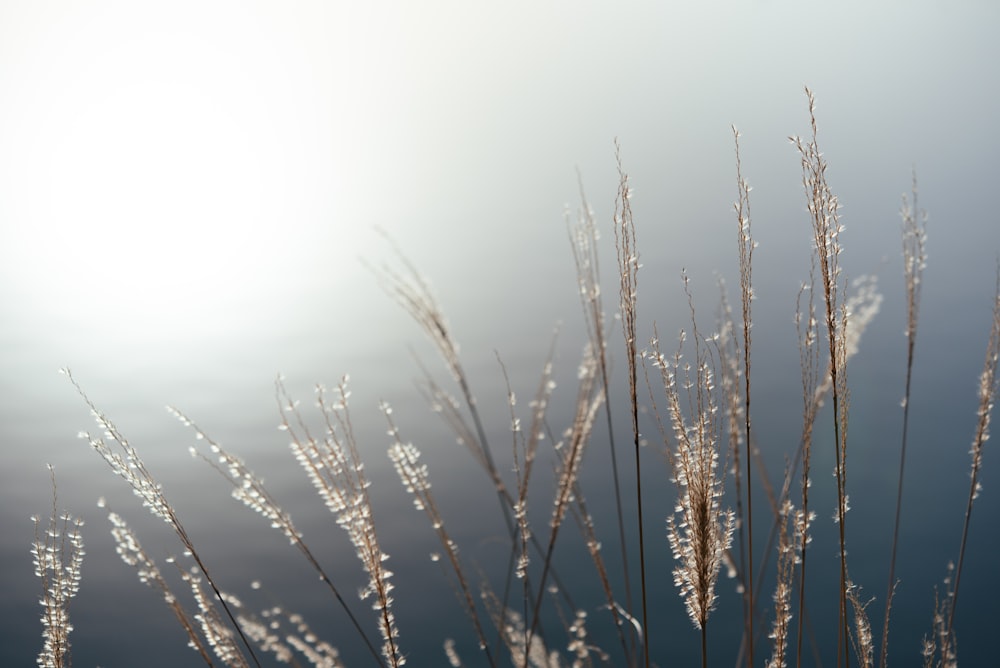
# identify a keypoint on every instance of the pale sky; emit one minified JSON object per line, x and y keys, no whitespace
{"x":166,"y":162}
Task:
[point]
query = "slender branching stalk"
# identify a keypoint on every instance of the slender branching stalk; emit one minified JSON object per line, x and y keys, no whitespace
{"x":129,"y":548}
{"x":787,"y":558}
{"x":282,"y":633}
{"x":586,"y":523}
{"x":826,"y":227}
{"x":584,"y":237}
{"x":335,"y":469}
{"x":525,"y":649}
{"x":415,"y":478}
{"x":809,"y":362}
{"x":628,"y":271}
{"x":914,"y":261}
{"x":570,"y":459}
{"x":413,"y":293}
{"x":249,"y":490}
{"x":124,"y":460}
{"x":523,"y":457}
{"x":940,"y":649}
{"x":58,"y":556}
{"x":864,"y":643}
{"x":705,"y":531}
{"x":727,"y":351}
{"x":524,"y":453}
{"x":217,"y":633}
{"x":707,"y":413}
{"x":746,"y":247}
{"x":988,"y":383}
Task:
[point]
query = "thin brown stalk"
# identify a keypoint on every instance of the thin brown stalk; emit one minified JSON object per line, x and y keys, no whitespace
{"x":628,"y":270}
{"x":415,"y":478}
{"x":451,"y":410}
{"x":413,"y":293}
{"x":528,"y":448}
{"x":58,"y":555}
{"x":783,"y":588}
{"x":914,"y":259}
{"x":524,"y":453}
{"x":826,"y":227}
{"x":250,"y":490}
{"x":746,"y":246}
{"x":727,"y":350}
{"x":570,"y":454}
{"x":861,"y":306}
{"x":705,"y":531}
{"x":333,"y":465}
{"x":132,"y":553}
{"x":809,"y":361}
{"x":584,"y":237}
{"x":213,"y":627}
{"x":449,"y":407}
{"x":125,"y":462}
{"x":586,"y":523}
{"x":864,"y":643}
{"x":940,"y":649}
{"x":777,"y":499}
{"x":988,"y":384}
{"x":410,"y":290}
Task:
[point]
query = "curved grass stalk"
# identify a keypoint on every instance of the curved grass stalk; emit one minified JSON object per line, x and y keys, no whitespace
{"x":914,"y":261}
{"x":583,"y":241}
{"x":570,"y":453}
{"x":414,"y":475}
{"x":250,"y":490}
{"x":746,"y":247}
{"x":335,"y":469}
{"x":628,"y":271}
{"x":988,"y":385}
{"x":58,"y":555}
{"x":824,"y":213}
{"x":126,"y":463}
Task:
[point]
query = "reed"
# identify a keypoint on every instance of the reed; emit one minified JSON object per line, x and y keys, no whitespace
{"x":528,"y":615}
{"x":914,"y":260}
{"x":704,"y":532}
{"x":58,"y":556}
{"x":746,"y":247}
{"x":824,"y":211}
{"x":989,"y":383}
{"x":125,"y":462}
{"x":250,"y":490}
{"x":628,"y":272}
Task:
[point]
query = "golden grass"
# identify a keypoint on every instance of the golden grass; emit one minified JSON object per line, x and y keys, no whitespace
{"x":527,"y":616}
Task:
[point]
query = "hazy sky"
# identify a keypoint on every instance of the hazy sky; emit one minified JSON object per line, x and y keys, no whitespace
{"x":164,"y":163}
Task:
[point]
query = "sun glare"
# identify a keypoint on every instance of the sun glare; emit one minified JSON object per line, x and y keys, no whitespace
{"x":171,"y":174}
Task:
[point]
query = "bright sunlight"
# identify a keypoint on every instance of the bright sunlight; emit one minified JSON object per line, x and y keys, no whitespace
{"x":179,"y":173}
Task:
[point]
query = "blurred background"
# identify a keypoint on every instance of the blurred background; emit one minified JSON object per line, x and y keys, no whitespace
{"x":191,"y":194}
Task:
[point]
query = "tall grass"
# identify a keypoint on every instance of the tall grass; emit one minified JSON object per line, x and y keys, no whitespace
{"x":824,"y":211}
{"x":699,"y":397}
{"x":914,"y":259}
{"x":58,"y":555}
